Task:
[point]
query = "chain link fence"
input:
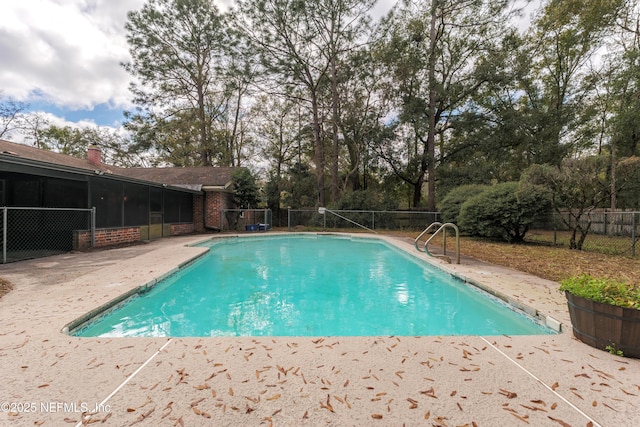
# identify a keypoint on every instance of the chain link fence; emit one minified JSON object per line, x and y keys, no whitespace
{"x":313,"y":219}
{"x":614,"y":233}
{"x":39,"y":232}
{"x":246,"y":220}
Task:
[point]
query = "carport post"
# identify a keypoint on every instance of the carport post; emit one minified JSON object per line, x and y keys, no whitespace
{"x":4,"y":235}
{"x":93,"y":227}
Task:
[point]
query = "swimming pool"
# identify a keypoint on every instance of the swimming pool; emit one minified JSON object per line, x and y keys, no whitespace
{"x":309,"y":285}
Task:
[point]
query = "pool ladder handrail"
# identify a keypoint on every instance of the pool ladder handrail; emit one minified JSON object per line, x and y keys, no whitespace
{"x":442,"y":228}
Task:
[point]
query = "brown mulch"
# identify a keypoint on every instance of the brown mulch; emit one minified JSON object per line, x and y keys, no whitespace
{"x":551,"y":262}
{"x":545,"y":261}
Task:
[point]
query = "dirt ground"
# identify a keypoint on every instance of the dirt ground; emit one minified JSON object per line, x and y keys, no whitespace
{"x":547,"y":262}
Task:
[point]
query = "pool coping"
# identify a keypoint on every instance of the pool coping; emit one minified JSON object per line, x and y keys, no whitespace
{"x":306,"y":380}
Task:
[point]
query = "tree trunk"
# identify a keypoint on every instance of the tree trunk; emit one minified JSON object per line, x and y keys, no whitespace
{"x":319,"y":150}
{"x":431,"y":167}
{"x":204,"y":139}
{"x":417,"y":190}
{"x":334,"y":120}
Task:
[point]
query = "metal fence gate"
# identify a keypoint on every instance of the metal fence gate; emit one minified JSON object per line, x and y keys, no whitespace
{"x":39,"y":232}
{"x":246,"y":220}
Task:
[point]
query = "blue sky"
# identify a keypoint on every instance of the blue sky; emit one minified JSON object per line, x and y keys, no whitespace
{"x":62,"y":58}
{"x":102,"y":114}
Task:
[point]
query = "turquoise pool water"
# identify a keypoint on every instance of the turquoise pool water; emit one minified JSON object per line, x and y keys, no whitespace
{"x":310,"y":285}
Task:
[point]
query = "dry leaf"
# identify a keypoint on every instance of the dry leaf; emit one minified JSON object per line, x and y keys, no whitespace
{"x":509,"y":394}
{"x":562,"y":423}
{"x":376,"y":416}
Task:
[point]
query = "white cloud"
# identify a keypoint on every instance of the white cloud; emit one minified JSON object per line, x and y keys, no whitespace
{"x":65,"y":52}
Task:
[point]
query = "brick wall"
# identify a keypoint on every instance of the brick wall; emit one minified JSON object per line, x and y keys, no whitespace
{"x":81,"y":240}
{"x":177,"y":229}
{"x":206,"y":209}
{"x":215,"y":202}
{"x":198,"y":213}
{"x":115,"y":236}
{"x":107,"y":237}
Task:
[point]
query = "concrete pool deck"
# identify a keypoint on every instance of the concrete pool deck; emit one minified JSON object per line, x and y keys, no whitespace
{"x":49,"y":378}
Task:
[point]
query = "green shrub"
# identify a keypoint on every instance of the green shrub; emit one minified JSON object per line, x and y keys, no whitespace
{"x":607,"y":291}
{"x":245,"y":189}
{"x":453,"y":201}
{"x":504,"y":210}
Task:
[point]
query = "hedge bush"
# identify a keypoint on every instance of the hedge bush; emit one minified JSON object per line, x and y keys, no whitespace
{"x":453,"y":201}
{"x":505,"y":211}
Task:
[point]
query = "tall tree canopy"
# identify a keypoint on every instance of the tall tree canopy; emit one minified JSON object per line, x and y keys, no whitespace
{"x":433,"y":51}
{"x":326,"y":102}
{"x":300,"y":46}
{"x":176,"y":46}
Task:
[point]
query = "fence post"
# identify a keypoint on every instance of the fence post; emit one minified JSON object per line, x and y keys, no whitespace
{"x":93,"y":227}
{"x":4,"y":235}
{"x":633,"y":234}
{"x":373,"y":220}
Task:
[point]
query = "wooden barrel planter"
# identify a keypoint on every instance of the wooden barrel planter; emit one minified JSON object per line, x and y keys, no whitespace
{"x":600,"y":325}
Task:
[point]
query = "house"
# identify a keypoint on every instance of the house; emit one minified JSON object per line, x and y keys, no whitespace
{"x":131,"y":204}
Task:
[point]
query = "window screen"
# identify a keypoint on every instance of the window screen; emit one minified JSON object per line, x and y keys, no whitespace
{"x":171,"y":206}
{"x":106,"y":197}
{"x":155,"y":199}
{"x":25,"y":191}
{"x":178,"y":207}
{"x":136,"y":204}
{"x":62,"y":193}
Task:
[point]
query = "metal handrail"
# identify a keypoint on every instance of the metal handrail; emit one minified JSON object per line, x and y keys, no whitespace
{"x":323,"y":210}
{"x":442,"y":228}
{"x":426,"y":230}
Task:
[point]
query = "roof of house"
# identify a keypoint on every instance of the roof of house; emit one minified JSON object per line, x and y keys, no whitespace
{"x":20,"y":151}
{"x":192,"y":178}
{"x":206,"y":177}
